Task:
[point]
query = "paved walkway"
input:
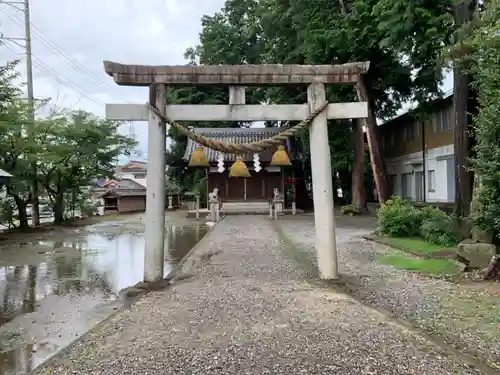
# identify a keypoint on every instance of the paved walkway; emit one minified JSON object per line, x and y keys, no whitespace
{"x":244,"y":308}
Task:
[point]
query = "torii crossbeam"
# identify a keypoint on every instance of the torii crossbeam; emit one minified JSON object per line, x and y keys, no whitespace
{"x":236,"y":77}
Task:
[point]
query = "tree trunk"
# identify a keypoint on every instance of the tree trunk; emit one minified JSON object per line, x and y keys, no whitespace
{"x":35,"y":209}
{"x":492,"y":272}
{"x":376,"y":158}
{"x":358,"y":173}
{"x":464,"y":178}
{"x":59,"y":208}
{"x":21,"y":208}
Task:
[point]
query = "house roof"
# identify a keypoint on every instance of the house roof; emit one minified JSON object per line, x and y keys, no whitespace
{"x":122,"y":193}
{"x":135,"y":164}
{"x":235,"y":135}
{"x":448,"y":96}
{"x":122,"y":188}
{"x":4,"y":173}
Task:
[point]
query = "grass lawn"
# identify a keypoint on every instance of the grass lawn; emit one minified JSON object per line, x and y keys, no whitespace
{"x":427,"y":266}
{"x":414,"y":245}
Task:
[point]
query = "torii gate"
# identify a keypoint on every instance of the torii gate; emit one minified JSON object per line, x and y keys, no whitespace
{"x":236,"y":77}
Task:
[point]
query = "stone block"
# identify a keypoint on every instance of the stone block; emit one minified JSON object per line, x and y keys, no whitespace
{"x":477,"y":254}
{"x":480,"y":235}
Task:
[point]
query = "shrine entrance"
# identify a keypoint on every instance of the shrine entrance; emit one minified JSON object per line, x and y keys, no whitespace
{"x":236,"y":77}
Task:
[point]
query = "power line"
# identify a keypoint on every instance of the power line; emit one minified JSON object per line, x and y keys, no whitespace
{"x":55,"y":48}
{"x":61,"y":79}
{"x":58,"y":50}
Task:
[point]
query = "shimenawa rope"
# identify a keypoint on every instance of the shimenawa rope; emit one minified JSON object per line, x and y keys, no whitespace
{"x":235,"y":148}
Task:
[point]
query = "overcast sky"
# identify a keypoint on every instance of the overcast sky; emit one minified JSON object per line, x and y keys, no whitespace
{"x":70,"y":39}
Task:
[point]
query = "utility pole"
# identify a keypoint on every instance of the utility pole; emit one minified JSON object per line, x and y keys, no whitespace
{"x":35,"y":211}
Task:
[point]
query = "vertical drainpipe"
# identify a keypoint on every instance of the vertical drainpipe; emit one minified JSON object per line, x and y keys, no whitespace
{"x":424,"y":162}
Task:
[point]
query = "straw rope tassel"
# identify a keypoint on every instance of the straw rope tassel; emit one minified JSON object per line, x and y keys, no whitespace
{"x":198,"y":158}
{"x":239,"y":168}
{"x":280,"y":157}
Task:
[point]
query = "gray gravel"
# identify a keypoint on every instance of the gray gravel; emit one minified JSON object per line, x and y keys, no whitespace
{"x":243,"y":308}
{"x":467,"y":317}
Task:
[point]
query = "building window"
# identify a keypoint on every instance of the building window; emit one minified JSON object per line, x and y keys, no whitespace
{"x":139,"y":175}
{"x":431,"y":180}
{"x":444,"y":120}
{"x":411,"y":132}
{"x":406,"y":185}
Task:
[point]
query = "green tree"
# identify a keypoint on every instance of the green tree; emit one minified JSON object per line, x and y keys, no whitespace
{"x":226,"y":38}
{"x":8,"y":90}
{"x":483,"y":61}
{"x":77,"y":148}
{"x":17,"y":150}
{"x":424,"y":32}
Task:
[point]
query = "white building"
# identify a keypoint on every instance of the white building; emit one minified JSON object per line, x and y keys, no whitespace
{"x":133,"y":170}
{"x":419,"y":154}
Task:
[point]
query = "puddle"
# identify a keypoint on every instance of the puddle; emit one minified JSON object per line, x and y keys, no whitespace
{"x":57,"y":286}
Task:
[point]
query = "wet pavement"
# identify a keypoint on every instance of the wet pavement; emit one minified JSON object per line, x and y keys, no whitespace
{"x":56,"y":286}
{"x":242,"y":305}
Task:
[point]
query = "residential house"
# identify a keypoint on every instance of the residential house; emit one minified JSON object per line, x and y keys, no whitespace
{"x":133,"y":170}
{"x":121,"y":196}
{"x":419,"y":154}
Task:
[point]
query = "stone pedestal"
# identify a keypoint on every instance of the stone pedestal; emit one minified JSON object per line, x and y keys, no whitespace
{"x":278,"y":207}
{"x":214,"y":210}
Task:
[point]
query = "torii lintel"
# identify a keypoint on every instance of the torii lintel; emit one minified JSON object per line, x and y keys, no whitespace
{"x":235,"y":75}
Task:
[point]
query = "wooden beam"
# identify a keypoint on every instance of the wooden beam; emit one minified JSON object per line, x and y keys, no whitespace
{"x":233,"y":112}
{"x":236,"y":75}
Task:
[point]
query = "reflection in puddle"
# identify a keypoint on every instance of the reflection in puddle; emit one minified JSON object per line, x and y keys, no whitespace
{"x":54,"y":289}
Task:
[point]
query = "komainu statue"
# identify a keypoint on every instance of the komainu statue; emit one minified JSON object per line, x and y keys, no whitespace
{"x":214,"y":195}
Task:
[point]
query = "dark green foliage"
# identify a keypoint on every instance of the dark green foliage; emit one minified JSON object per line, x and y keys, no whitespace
{"x":303,"y":32}
{"x":437,"y":227}
{"x":484,"y":44}
{"x":398,"y":218}
{"x":69,"y":148}
{"x":350,"y":210}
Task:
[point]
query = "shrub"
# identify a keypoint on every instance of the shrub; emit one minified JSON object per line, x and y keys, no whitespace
{"x":432,"y":213}
{"x":439,"y":230}
{"x":351,"y":209}
{"x":398,"y":218}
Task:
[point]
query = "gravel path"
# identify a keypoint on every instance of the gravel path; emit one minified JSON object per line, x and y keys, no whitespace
{"x":243,"y":308}
{"x":465,"y":317}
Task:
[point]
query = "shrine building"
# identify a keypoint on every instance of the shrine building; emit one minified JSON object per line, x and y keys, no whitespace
{"x":259,"y":186}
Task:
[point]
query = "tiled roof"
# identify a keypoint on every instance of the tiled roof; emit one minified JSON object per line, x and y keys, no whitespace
{"x":133,"y":165}
{"x":235,"y":135}
{"x":125,"y":187}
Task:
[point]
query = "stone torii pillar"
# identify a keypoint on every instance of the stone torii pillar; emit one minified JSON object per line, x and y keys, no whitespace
{"x":154,"y":256}
{"x":236,"y":77}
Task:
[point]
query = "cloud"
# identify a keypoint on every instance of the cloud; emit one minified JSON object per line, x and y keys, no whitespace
{"x":70,"y":40}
